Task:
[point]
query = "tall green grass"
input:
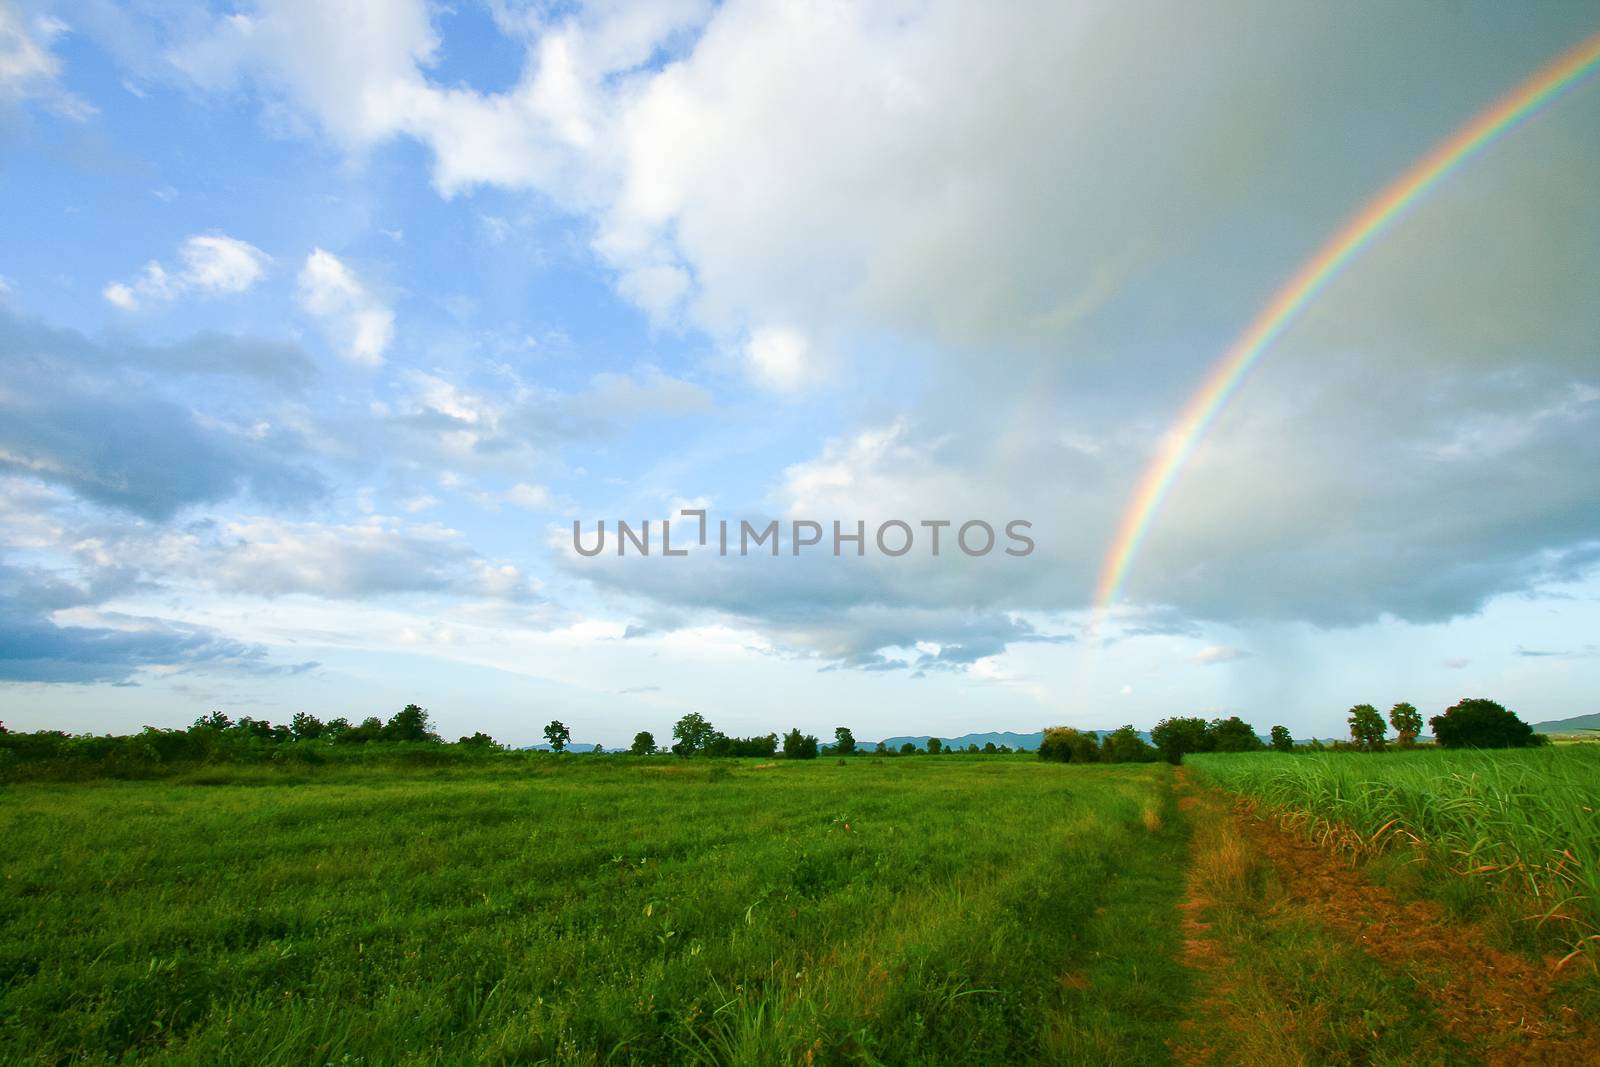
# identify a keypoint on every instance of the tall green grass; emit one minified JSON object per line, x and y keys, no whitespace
{"x":594,"y":910}
{"x":1521,"y":825}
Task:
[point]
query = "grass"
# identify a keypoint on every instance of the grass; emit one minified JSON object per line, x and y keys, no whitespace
{"x":1278,"y":986}
{"x":595,"y":910}
{"x":1512,"y":833}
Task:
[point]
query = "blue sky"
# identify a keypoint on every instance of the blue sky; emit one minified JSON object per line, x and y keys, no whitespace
{"x":321,"y":324}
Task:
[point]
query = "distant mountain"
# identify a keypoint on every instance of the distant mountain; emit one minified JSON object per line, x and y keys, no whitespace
{"x":1576,"y":724}
{"x":1023,"y":742}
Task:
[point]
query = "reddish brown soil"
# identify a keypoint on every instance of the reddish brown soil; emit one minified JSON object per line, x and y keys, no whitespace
{"x":1501,"y":1003}
{"x":1202,"y":952}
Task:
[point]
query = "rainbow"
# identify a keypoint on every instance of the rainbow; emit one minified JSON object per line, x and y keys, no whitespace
{"x":1371,"y":222}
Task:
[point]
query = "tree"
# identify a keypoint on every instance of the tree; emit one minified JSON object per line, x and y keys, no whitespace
{"x":1366,"y":727}
{"x":644,"y":743}
{"x":1063,"y":744}
{"x":908,"y":749}
{"x":370,"y":729}
{"x":558,"y":735}
{"x":215,"y":721}
{"x":1124,"y":745}
{"x":692,"y":733}
{"x":1407,"y":722}
{"x":305,"y":727}
{"x":935,"y":746}
{"x":410,"y":723}
{"x":989,"y":749}
{"x":1233,"y":734}
{"x":1282,"y":739}
{"x":597,"y":750}
{"x":1481,"y":723}
{"x":799,"y":746}
{"x":881,"y":749}
{"x":1178,"y":737}
{"x":479,"y":739}
{"x":844,"y":742}
{"x":254,"y":727}
{"x":334,"y":729}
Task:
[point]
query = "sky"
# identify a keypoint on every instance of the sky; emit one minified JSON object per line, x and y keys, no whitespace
{"x":322,"y":324}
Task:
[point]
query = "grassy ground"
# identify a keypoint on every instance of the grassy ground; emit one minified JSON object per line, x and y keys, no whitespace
{"x":1513,"y":835}
{"x":587,"y":910}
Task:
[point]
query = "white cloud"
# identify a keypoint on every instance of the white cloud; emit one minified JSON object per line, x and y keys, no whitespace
{"x":24,"y":59}
{"x":269,"y":557}
{"x":29,"y":69}
{"x":532,"y":497}
{"x":946,"y":178}
{"x":778,"y":358}
{"x":210,"y":263}
{"x":358,"y":324}
{"x":1214,"y":654}
{"x":221,"y":264}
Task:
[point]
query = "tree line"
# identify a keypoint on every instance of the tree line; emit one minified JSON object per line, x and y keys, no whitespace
{"x":1474,"y":722}
{"x":1469,"y":723}
{"x":693,"y":735}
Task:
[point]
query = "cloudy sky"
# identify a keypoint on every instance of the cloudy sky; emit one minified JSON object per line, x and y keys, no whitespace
{"x":320,"y":324}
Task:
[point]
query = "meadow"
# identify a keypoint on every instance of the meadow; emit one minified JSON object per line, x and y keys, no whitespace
{"x":594,"y":909}
{"x":442,"y":904}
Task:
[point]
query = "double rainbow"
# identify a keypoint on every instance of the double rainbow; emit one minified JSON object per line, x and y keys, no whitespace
{"x":1377,"y":216}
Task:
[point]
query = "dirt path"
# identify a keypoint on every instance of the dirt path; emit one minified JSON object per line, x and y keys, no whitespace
{"x":1499,"y":1005}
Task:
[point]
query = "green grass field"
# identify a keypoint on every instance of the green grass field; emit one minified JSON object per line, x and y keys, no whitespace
{"x":419,"y":906}
{"x":589,"y":910}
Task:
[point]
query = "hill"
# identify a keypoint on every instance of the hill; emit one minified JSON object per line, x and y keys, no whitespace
{"x":1023,"y":742}
{"x":1576,"y":724}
